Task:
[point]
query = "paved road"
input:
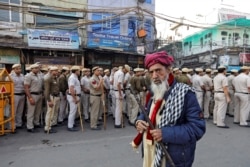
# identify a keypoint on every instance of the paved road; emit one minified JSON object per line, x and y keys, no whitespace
{"x":111,"y":148}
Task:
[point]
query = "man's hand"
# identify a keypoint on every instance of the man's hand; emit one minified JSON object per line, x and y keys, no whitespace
{"x":156,"y":134}
{"x":141,"y":126}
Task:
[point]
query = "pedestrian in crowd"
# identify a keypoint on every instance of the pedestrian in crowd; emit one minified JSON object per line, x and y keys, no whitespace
{"x":63,"y":87}
{"x":221,"y":97}
{"x":73,"y":97}
{"x":19,"y":94}
{"x":112,"y":92}
{"x":95,"y":98}
{"x":242,"y":90}
{"x":52,"y":98}
{"x":176,"y":72}
{"x":85,"y":93}
{"x":119,"y":95}
{"x":183,"y":78}
{"x":198,"y":85}
{"x":175,"y":113}
{"x":230,"y":78}
{"x":127,"y":100}
{"x":208,"y":86}
{"x":101,"y":110}
{"x":33,"y":84}
{"x":106,"y":82}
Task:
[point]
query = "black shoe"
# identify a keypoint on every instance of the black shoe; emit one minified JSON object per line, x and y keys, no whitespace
{"x":32,"y":130}
{"x":96,"y":128}
{"x":99,"y":124}
{"x":50,"y":131}
{"x":119,"y":126}
{"x":19,"y":127}
{"x":73,"y":129}
{"x":226,"y":127}
{"x":230,"y":115}
{"x":87,"y":120}
{"x":247,"y":126}
{"x":38,"y":126}
{"x":236,"y":122}
{"x":75,"y":125}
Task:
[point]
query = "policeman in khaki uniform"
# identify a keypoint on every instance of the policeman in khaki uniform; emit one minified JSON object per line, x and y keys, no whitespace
{"x":73,"y":96}
{"x":208,"y":85}
{"x":106,"y":84}
{"x":85,"y":93}
{"x":199,"y":86}
{"x":19,"y":94}
{"x":183,"y":78}
{"x":95,"y":86}
{"x":63,"y":87}
{"x":242,"y":96}
{"x":231,"y":105}
{"x":221,"y":97}
{"x":33,"y":84}
{"x":52,"y":98}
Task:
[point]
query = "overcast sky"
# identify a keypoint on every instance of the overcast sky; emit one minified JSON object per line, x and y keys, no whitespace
{"x":191,"y":8}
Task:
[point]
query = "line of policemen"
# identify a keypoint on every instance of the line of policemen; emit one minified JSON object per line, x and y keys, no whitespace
{"x":219,"y":94}
{"x":50,"y":96}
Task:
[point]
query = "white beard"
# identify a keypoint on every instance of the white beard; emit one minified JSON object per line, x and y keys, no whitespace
{"x":159,"y":89}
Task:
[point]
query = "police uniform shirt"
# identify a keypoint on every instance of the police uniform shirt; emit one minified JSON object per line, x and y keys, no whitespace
{"x":118,"y":78}
{"x":241,"y":83}
{"x":207,"y":81}
{"x":127,"y":78}
{"x":197,"y":83}
{"x":63,"y":83}
{"x":106,"y":82}
{"x":34,"y":81}
{"x":51,"y":86}
{"x":220,"y":81}
{"x":73,"y":81}
{"x":18,"y":82}
{"x":93,"y":83}
{"x":85,"y":82}
{"x":230,"y":81}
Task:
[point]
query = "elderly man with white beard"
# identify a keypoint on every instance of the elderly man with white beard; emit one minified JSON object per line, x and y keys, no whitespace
{"x":175,"y":113}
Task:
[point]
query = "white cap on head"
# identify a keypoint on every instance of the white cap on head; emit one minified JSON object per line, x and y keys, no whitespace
{"x":245,"y":68}
{"x":34,"y":66}
{"x":16,"y":65}
{"x":221,"y":67}
{"x":234,"y":70}
{"x":185,"y":70}
{"x":176,"y":69}
{"x":65,"y":68}
{"x":137,"y":69}
{"x":199,"y":70}
{"x":75,"y":68}
{"x":53,"y":68}
{"x":127,"y":67}
{"x":106,"y":70}
{"x":208,"y":70}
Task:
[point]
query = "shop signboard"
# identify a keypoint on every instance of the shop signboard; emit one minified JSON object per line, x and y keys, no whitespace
{"x":96,"y":40}
{"x":58,"y":39}
{"x":244,"y":58}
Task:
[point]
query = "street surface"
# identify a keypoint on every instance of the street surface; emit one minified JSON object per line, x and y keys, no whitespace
{"x":111,"y":148}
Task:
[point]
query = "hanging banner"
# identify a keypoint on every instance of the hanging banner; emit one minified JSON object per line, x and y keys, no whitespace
{"x":60,"y":39}
{"x":244,"y":58}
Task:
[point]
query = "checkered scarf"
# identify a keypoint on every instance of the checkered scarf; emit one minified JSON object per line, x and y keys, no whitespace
{"x":170,"y":114}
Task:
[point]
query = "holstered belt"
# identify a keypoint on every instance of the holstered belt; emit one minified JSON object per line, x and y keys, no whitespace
{"x":243,"y":93}
{"x":218,"y":92}
{"x":35,"y":93}
{"x":19,"y":94}
{"x":96,"y":95}
{"x":79,"y":95}
{"x":118,"y":90}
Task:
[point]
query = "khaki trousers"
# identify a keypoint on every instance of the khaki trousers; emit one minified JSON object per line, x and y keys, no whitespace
{"x":95,"y":102}
{"x":220,"y":109}
{"x":242,"y":109}
{"x":19,"y":101}
{"x":127,"y":103}
{"x":62,"y":107}
{"x":34,"y":111}
{"x":52,"y":113}
{"x":118,"y":109}
{"x":232,"y":102}
{"x":134,"y":109}
{"x":85,"y":105}
{"x":207,"y":99}
{"x":199,"y":96}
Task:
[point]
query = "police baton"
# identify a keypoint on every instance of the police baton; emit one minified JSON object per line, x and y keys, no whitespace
{"x":167,"y":156}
